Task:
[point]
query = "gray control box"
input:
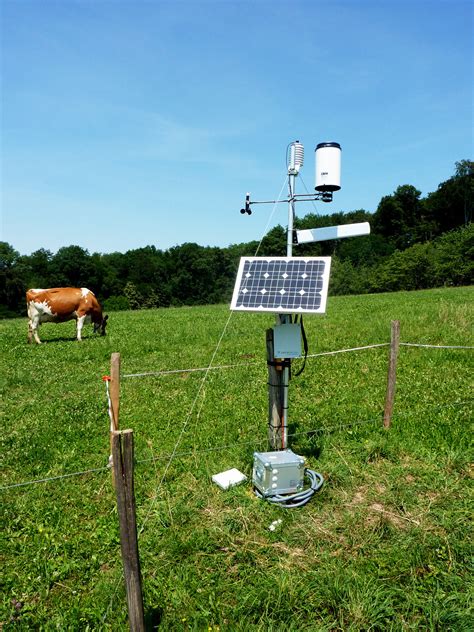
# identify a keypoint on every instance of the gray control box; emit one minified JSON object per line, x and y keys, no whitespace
{"x":280,"y":472}
{"x":287,"y":340}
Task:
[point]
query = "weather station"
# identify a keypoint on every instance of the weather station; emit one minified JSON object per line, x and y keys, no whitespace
{"x":290,"y":287}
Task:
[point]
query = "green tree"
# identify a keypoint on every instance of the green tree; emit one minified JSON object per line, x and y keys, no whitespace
{"x":399,"y":217}
{"x":133,"y":296}
{"x":12,"y":281}
{"x":411,"y":269}
{"x":465,"y":174}
{"x":115,"y":304}
{"x":115,"y":274}
{"x":454,"y":257}
{"x":72,"y":266}
{"x":274,"y":243}
{"x":346,"y":278}
{"x":450,"y":206}
{"x":147,"y":269}
{"x":38,"y":268}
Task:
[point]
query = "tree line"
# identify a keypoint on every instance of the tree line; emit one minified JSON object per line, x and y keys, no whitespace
{"x":415,"y":243}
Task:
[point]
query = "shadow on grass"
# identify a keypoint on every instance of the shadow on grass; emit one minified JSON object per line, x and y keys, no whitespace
{"x":47,"y":341}
{"x":153,"y":617}
{"x":307,"y":444}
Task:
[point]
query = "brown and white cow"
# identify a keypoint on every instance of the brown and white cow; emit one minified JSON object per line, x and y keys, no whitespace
{"x":59,"y":304}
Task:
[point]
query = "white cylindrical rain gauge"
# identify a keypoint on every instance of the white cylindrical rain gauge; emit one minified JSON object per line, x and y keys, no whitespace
{"x":328,"y":167}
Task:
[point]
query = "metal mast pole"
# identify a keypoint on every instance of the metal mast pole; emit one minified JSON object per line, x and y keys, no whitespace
{"x":285,"y":318}
{"x":291,"y":214}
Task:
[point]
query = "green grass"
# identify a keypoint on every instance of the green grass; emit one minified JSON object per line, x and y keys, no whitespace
{"x":384,"y":546}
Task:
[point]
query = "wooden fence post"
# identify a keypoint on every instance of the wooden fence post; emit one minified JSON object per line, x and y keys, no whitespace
{"x":122,"y":451}
{"x":115,"y":388}
{"x":114,"y":402}
{"x":392,"y":373}
{"x":275,"y":397}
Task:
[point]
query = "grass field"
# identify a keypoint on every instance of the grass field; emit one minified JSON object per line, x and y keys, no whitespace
{"x":386,"y":545}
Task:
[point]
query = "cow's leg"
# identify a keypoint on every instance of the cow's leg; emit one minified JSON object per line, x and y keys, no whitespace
{"x":34,"y":329}
{"x":33,"y":323}
{"x":31,"y":315}
{"x":80,"y":324}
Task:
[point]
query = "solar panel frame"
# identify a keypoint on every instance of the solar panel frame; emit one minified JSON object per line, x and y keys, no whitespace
{"x":292,"y":285}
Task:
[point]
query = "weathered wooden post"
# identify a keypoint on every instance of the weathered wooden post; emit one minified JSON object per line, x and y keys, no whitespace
{"x":122,"y":451}
{"x":275,"y":397}
{"x":115,"y":389}
{"x":113,"y":392}
{"x":114,"y":402}
{"x":392,"y":373}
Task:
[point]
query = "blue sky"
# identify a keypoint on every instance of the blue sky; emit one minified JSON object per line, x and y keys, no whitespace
{"x":125,"y":124}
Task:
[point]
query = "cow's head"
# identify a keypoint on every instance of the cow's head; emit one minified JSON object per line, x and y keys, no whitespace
{"x":100,"y":326}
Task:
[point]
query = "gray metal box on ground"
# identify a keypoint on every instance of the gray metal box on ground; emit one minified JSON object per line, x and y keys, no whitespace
{"x":280,"y":472}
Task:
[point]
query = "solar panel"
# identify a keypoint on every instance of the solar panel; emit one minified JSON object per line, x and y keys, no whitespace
{"x":284,"y":285}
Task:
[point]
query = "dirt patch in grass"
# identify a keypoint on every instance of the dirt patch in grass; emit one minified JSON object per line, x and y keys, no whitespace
{"x":396,"y":520}
{"x":374,"y":510}
{"x":293,"y":556}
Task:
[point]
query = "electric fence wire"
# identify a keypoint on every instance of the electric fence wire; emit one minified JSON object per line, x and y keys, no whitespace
{"x":412,"y":344}
{"x":196,"y":370}
{"x":320,"y":429}
{"x":161,"y":457}
{"x":311,"y":355}
{"x":328,"y":353}
{"x":55,"y":478}
{"x":246,"y":364}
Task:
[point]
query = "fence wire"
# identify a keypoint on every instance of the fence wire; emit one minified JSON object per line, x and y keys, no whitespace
{"x":311,"y":355}
{"x":320,"y":429}
{"x":413,"y":344}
